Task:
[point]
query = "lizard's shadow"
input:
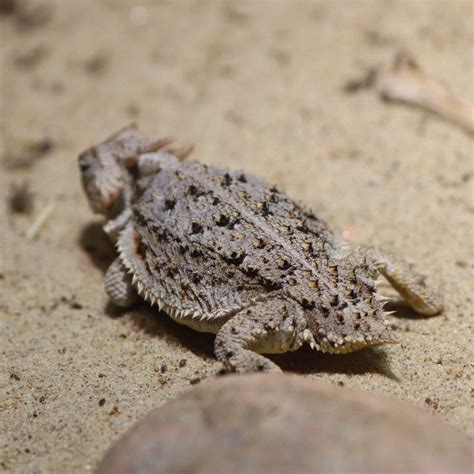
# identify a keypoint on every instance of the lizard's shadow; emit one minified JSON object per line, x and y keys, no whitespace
{"x":157,"y":324}
{"x":96,"y":243}
{"x":404,"y":311}
{"x":303,"y":361}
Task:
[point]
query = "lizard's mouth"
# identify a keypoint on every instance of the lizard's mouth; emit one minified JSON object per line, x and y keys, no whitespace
{"x":114,"y":203}
{"x":109,"y":203}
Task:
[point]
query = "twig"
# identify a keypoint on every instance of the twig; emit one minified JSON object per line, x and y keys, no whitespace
{"x":32,"y":232}
{"x":404,"y":81}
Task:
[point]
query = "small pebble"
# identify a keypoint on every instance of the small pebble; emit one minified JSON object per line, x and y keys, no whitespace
{"x":97,"y":64}
{"x":8,"y":7}
{"x":182,"y":362}
{"x":102,"y":402}
{"x":432,"y":402}
{"x":20,"y":199}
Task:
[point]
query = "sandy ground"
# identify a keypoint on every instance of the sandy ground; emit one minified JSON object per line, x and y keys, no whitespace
{"x":256,"y":85}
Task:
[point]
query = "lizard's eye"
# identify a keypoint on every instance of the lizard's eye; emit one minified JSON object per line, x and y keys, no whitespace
{"x":87,"y":159}
{"x":85,"y":162}
{"x":83,"y":166}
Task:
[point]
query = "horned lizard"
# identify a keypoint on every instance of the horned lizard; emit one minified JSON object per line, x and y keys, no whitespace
{"x":222,"y":252}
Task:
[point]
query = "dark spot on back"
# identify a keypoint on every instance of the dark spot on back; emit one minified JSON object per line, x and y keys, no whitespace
{"x":171,"y":272}
{"x":226,"y":180}
{"x":272,"y":198}
{"x":265,"y":210}
{"x":325,"y":311}
{"x":340,"y":318}
{"x":301,"y":226}
{"x":222,"y":220}
{"x":271,"y":285}
{"x":250,"y":270}
{"x":170,"y":203}
{"x":283,"y":264}
{"x":194,"y":191}
{"x":353,"y":294}
{"x":195,"y":277}
{"x":196,"y":253}
{"x":196,"y":228}
{"x":236,"y":258}
{"x":307,"y":304}
{"x":162,"y":236}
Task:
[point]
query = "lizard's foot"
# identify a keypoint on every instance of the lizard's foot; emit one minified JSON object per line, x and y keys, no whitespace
{"x":118,"y":285}
{"x":409,"y":283}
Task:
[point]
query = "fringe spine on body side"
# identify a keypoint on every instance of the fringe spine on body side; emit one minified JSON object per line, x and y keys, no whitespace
{"x":124,"y":244}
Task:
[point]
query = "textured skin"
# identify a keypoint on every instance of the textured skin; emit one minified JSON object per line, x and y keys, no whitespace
{"x":222,"y":252}
{"x":118,"y":285}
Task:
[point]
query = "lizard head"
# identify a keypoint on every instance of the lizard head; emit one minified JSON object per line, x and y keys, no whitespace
{"x":105,"y":170}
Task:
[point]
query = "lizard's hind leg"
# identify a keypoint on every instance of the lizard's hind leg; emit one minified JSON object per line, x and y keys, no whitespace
{"x":270,"y":327}
{"x":118,"y":285}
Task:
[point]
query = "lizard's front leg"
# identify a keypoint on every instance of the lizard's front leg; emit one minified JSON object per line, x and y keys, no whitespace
{"x":270,"y":327}
{"x":409,"y":283}
{"x":118,"y":285}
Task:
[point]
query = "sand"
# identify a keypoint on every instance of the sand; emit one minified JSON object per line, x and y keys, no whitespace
{"x":256,"y":85}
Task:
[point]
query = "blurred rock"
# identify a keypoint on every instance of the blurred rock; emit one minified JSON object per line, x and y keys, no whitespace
{"x":7,"y":7}
{"x":286,"y":424}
